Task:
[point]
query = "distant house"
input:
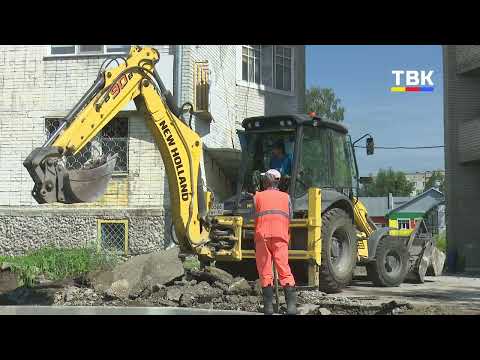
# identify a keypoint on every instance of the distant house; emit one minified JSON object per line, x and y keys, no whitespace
{"x":379,"y":206}
{"x":402,"y":213}
{"x":426,"y":206}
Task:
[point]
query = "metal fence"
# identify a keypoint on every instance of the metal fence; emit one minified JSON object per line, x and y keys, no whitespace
{"x":113,"y":139}
{"x":113,"y":235}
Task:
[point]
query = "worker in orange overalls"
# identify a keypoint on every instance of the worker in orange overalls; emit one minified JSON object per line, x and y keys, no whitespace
{"x":273,"y":211}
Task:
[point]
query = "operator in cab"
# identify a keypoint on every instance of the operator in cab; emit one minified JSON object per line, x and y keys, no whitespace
{"x":280,"y":160}
{"x":273,"y":211}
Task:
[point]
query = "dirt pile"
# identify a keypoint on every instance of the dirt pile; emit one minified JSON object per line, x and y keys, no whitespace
{"x":130,"y":278}
{"x":210,"y":289}
{"x":143,"y":281}
{"x":193,"y":291}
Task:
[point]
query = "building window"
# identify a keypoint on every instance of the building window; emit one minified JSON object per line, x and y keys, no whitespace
{"x":270,"y":66}
{"x":403,"y":224}
{"x":117,"y":48}
{"x":112,"y":235}
{"x":201,"y":87}
{"x":113,"y":139}
{"x":62,"y":49}
{"x":89,"y":49}
{"x":251,"y":63}
{"x":283,"y":68}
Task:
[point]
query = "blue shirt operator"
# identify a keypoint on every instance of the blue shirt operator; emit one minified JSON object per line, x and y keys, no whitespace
{"x":280,"y":160}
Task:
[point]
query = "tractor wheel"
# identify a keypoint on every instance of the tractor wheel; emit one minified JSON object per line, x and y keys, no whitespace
{"x":391,"y":263}
{"x":339,"y":251}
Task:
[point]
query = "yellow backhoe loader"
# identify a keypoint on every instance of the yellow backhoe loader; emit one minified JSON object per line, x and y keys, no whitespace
{"x":330,"y":224}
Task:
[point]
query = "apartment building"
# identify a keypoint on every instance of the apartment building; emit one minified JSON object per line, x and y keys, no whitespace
{"x":39,"y":84}
{"x":419,"y":179}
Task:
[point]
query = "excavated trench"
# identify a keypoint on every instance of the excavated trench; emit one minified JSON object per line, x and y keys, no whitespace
{"x":214,"y":289}
{"x":161,"y":280}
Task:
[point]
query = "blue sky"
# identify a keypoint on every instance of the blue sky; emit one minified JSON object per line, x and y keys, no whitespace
{"x":361,"y":76}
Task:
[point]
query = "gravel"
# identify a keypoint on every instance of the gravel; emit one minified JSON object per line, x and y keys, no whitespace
{"x":208,"y":289}
{"x":217,"y":295}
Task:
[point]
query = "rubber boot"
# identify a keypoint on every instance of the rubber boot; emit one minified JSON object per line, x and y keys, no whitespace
{"x":267,"y":300}
{"x":291,"y":300}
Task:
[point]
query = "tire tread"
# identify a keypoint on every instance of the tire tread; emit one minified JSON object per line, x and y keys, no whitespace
{"x":328,"y":283}
{"x":375,"y":271}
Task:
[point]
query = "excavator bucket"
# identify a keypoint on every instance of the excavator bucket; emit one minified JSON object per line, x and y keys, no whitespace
{"x":55,"y":183}
{"x":89,"y":184}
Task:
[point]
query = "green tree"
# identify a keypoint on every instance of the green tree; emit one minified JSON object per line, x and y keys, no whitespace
{"x":324,"y":103}
{"x":388,"y":181}
{"x":431,"y":182}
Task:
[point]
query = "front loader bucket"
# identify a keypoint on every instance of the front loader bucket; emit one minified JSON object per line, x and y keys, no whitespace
{"x":420,"y":256}
{"x":55,"y":183}
{"x":425,"y":258}
{"x":437,"y":262}
{"x":87,"y":185}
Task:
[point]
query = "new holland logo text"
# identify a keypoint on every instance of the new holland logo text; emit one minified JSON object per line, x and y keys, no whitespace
{"x":412,"y":81}
{"x":177,"y":160}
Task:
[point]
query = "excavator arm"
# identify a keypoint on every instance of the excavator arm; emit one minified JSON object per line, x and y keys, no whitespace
{"x":134,"y":79}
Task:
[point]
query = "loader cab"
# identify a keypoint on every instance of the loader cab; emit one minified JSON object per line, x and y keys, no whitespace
{"x":321,"y":155}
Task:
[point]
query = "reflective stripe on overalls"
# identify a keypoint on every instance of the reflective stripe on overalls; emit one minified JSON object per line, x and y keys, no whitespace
{"x":274,"y":211}
{"x":272,"y":214}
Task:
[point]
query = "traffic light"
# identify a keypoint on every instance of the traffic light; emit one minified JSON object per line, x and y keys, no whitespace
{"x":370,"y":146}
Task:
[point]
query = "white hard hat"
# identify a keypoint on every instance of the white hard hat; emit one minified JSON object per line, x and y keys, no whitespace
{"x":272,"y":174}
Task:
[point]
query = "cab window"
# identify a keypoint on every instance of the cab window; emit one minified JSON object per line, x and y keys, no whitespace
{"x":258,"y":153}
{"x":314,"y":165}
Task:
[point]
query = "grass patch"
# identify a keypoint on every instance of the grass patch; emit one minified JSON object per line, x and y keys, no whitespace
{"x":441,"y":241}
{"x":191,"y":263}
{"x":58,"y":263}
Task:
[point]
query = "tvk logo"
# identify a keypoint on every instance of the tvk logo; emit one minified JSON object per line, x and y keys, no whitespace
{"x":412,"y":81}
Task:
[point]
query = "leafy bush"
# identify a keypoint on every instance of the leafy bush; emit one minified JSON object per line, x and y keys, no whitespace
{"x":58,"y":263}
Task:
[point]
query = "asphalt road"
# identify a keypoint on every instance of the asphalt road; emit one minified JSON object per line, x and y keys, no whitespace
{"x":447,"y":294}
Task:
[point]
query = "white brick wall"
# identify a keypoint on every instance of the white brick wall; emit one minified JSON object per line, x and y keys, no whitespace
{"x":231,"y":103}
{"x":34,"y":86}
{"x":147,"y":183}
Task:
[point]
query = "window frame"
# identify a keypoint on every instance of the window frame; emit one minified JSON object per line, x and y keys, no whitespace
{"x":275,"y":65}
{"x":255,"y":60}
{"x":403,"y":219}
{"x":101,"y":222}
{"x":261,"y":86}
{"x":77,"y":52}
{"x":119,"y":173}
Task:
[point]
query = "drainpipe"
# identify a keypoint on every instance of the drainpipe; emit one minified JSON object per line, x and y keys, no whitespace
{"x":178,"y":90}
{"x":179,"y":93}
